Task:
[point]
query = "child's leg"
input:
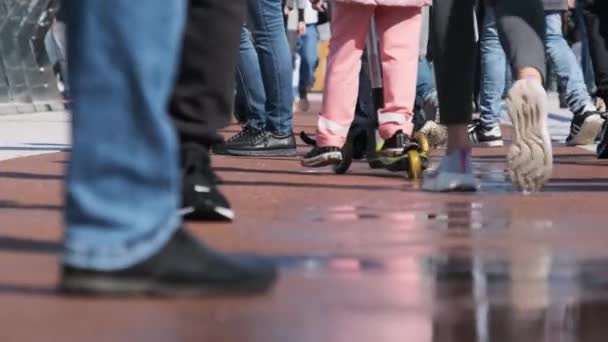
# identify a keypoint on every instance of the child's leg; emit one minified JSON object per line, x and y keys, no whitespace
{"x":350,"y":25}
{"x":399,"y":30}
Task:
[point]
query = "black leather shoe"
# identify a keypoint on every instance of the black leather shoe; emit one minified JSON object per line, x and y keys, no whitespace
{"x":255,"y":142}
{"x":184,"y":267}
{"x":201,"y":199}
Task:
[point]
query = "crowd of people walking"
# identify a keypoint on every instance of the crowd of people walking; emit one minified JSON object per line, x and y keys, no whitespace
{"x":136,"y":173}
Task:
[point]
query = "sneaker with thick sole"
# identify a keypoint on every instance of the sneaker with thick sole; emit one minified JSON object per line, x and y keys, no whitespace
{"x":436,"y":134}
{"x":183,"y":267}
{"x":322,"y":156}
{"x":530,"y":157}
{"x":485,"y":136}
{"x":585,"y":128}
{"x":253,"y":142}
{"x":201,"y":199}
{"x":454,"y":174}
{"x":396,"y":145}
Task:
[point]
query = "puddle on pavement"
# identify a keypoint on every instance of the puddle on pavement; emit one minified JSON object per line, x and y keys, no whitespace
{"x":452,"y":216}
{"x":527,"y":267}
{"x":314,"y":265}
{"x":528,"y":297}
{"x":526,"y":290}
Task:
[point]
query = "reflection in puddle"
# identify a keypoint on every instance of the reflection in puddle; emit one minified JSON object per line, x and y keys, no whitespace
{"x":362,"y":213}
{"x":453,"y":217}
{"x":331,"y":264}
{"x":523,"y":295}
{"x":496,"y":270}
{"x":491,"y":273}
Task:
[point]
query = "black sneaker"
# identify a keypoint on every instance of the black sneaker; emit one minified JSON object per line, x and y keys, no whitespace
{"x":322,"y":156}
{"x":602,"y":146}
{"x":483,"y":136}
{"x":184,"y":267}
{"x":585,"y":127}
{"x":256,"y":142}
{"x":396,"y":145}
{"x":201,"y":199}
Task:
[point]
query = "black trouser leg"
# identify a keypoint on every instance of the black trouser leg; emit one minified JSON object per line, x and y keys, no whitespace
{"x":596,"y":20}
{"x":522,"y":28}
{"x":453,"y":39}
{"x":204,"y":93}
{"x":365,"y":112}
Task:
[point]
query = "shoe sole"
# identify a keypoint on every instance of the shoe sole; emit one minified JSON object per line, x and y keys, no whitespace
{"x":462,"y":188}
{"x":112,"y":287}
{"x":392,"y":152}
{"x":590,"y":129}
{"x":498,"y":143}
{"x":325,"y":159}
{"x":214,"y":214}
{"x":451,"y":183}
{"x":530,"y":158}
{"x":290,"y":152}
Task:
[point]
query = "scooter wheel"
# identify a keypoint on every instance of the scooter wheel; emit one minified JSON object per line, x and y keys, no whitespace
{"x":415,"y":164}
{"x":423,"y":142}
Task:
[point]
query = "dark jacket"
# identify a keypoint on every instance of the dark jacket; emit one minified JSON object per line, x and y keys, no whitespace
{"x":555,"y":5}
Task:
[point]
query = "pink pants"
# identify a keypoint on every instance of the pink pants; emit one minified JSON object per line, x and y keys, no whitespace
{"x":399,"y":33}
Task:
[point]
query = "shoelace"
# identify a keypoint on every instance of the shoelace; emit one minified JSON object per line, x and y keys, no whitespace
{"x":474,"y":124}
{"x":248,"y":133}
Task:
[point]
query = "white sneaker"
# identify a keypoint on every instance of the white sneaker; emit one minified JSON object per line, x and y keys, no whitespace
{"x":530,"y":158}
{"x":437,"y":134}
{"x":482,"y":136}
{"x":454,"y":174}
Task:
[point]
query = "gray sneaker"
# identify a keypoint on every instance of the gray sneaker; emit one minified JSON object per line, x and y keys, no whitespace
{"x":454,"y":174}
{"x":530,"y":158}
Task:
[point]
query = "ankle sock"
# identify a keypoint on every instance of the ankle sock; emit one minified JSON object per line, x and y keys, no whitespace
{"x":457,"y":161}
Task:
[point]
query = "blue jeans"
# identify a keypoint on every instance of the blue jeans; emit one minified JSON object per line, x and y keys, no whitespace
{"x":493,"y":68}
{"x":250,"y":93}
{"x":493,"y":71}
{"x":270,"y":41}
{"x":586,"y":64}
{"x":425,"y":84}
{"x":121,"y":207}
{"x":567,"y":68}
{"x":308,"y":49}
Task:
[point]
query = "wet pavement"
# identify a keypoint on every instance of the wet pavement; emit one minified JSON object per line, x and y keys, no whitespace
{"x":364,"y":257}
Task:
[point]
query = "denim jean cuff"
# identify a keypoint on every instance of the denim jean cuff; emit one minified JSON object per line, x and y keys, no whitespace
{"x":131,"y":252}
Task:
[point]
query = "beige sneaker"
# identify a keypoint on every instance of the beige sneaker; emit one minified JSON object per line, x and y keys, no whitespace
{"x":530,"y":158}
{"x":436,"y":133}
